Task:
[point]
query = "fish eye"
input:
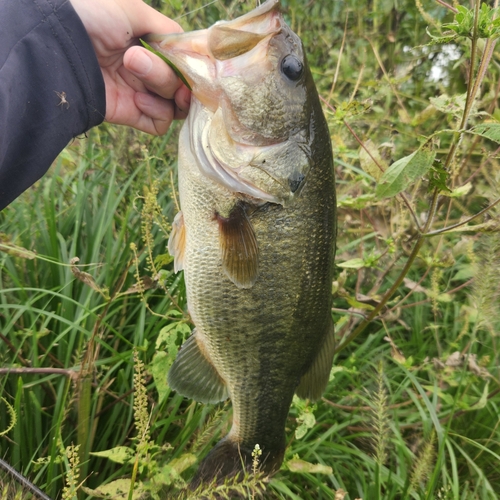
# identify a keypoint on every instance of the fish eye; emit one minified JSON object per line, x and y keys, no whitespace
{"x":292,"y":67}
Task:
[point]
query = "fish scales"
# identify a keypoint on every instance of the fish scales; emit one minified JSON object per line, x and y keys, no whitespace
{"x":256,"y":238}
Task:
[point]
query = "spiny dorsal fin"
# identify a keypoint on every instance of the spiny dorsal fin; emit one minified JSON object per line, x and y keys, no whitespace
{"x":313,"y":382}
{"x":239,"y":248}
{"x":194,"y":376}
{"x":177,"y":242}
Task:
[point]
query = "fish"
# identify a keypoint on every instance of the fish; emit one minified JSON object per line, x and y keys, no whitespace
{"x":256,"y":233}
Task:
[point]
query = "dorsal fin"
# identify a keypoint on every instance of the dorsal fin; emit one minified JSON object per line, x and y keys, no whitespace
{"x":313,"y":382}
{"x":238,"y":247}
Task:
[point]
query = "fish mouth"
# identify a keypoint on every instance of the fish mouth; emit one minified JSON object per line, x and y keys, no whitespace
{"x":198,"y":55}
{"x":208,"y":57}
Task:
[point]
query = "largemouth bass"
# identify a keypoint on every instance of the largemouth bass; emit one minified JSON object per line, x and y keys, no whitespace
{"x":256,"y":232}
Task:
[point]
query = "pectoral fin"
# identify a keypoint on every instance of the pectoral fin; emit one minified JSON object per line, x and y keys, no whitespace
{"x":194,"y":376}
{"x":313,"y":382}
{"x":238,"y":247}
{"x":177,"y":242}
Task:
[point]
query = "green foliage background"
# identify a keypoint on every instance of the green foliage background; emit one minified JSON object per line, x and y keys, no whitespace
{"x":412,"y":409}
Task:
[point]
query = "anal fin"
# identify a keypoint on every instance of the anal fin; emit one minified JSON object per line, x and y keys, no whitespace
{"x":177,"y":242}
{"x":313,"y":382}
{"x":239,"y":247}
{"x":194,"y":376}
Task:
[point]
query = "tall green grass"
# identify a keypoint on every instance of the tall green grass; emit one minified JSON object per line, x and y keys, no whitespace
{"x":404,"y":415}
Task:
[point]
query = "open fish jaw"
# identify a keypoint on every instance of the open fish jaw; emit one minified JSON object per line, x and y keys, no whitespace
{"x":234,"y":71}
{"x":201,"y":55}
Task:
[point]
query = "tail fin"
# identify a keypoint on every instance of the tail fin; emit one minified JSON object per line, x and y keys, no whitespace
{"x":230,"y":459}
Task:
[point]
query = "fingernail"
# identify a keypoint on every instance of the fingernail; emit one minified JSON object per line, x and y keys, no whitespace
{"x":141,"y":64}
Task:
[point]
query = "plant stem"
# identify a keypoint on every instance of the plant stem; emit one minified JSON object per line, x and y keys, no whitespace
{"x":19,"y":478}
{"x":133,"y":478}
{"x":387,"y":296}
{"x":73,"y":374}
{"x":447,"y":5}
{"x":472,"y":90}
{"x":462,"y":223}
{"x":360,"y":142}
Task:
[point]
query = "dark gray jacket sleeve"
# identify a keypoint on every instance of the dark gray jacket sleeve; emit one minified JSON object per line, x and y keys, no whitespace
{"x":46,"y":57}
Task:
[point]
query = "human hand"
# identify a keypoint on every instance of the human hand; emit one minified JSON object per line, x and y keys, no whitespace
{"x":141,"y":90}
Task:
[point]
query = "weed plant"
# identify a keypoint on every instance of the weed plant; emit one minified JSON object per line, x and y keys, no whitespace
{"x":92,"y":314}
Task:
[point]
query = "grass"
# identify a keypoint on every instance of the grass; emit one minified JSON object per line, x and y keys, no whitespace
{"x":404,"y":415}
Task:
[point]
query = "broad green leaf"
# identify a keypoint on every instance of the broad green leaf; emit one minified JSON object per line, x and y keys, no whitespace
{"x":463,"y":23}
{"x":334,"y":371}
{"x":438,"y":177}
{"x":351,"y":109}
{"x":307,"y":421}
{"x":470,"y":313}
{"x":465,"y":272}
{"x":163,"y":260}
{"x":303,"y":467}
{"x":308,"y":418}
{"x":437,"y":40}
{"x":454,"y":104}
{"x":168,"y":342}
{"x":356,"y":263}
{"x":441,"y":297}
{"x":120,"y":454}
{"x":483,"y":400}
{"x":117,"y":490}
{"x":159,"y":368}
{"x":174,"y":332}
{"x":459,"y":191}
{"x":301,"y":431}
{"x":171,"y":472}
{"x":406,"y":171}
{"x":489,"y":130}
{"x":183,"y":462}
{"x":447,"y":398}
{"x":357,"y":202}
{"x":427,"y":114}
{"x":359,"y":305}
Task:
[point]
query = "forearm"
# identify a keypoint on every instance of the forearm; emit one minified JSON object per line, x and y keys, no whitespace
{"x":51,"y":88}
